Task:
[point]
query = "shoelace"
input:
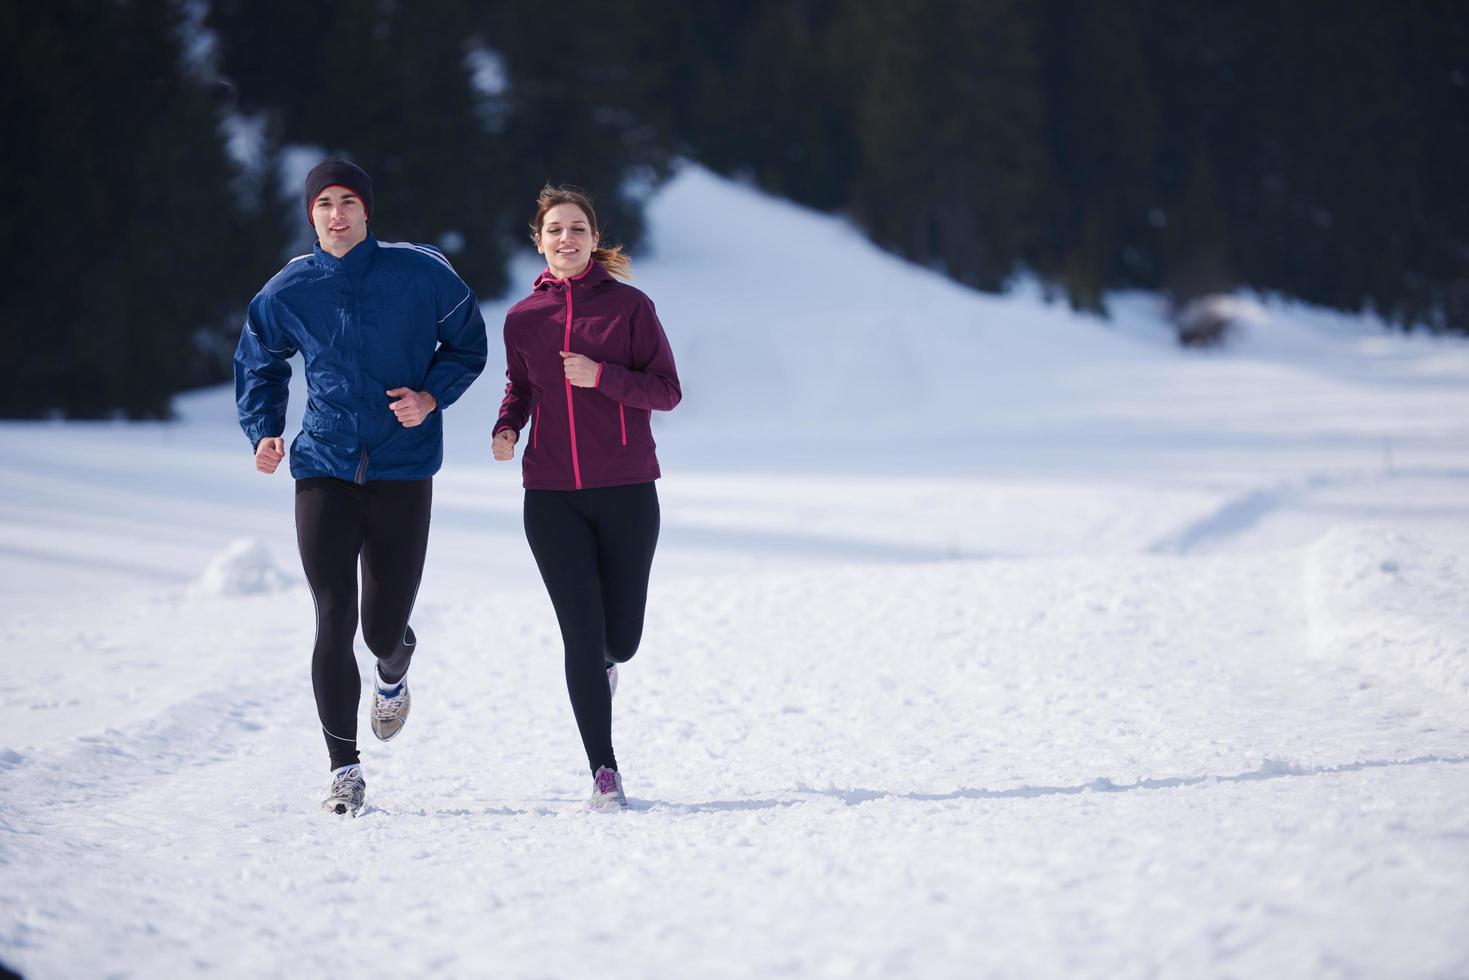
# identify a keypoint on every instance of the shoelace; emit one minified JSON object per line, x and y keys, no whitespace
{"x":606,"y":781}
{"x":387,"y":708}
{"x":346,"y":786}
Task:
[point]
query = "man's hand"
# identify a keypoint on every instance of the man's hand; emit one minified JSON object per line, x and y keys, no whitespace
{"x":503,"y":445}
{"x":412,"y":407}
{"x":580,"y":371}
{"x":269,"y":452}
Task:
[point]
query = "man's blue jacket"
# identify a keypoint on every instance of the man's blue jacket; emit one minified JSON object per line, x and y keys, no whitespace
{"x":386,"y":315}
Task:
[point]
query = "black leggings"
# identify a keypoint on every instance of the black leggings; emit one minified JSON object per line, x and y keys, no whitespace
{"x":385,"y":525}
{"x":594,"y":549}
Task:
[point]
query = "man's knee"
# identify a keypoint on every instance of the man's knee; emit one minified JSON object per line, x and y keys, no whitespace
{"x":336,"y":613}
{"x":387,"y":641}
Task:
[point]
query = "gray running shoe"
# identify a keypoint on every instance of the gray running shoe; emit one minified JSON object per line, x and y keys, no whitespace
{"x":612,"y":679}
{"x":348,"y":788}
{"x":607,"y":792}
{"x":389,"y":712}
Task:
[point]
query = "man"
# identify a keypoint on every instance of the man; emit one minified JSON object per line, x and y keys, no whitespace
{"x":390,"y":336}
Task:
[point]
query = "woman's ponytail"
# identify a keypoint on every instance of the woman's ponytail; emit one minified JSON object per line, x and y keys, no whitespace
{"x":615,"y":259}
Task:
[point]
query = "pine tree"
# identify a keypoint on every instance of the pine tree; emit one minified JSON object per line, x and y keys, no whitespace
{"x":124,"y":230}
{"x":1100,"y":208}
{"x":759,"y":92}
{"x":948,"y":120}
{"x":389,"y":87}
{"x":583,"y":104}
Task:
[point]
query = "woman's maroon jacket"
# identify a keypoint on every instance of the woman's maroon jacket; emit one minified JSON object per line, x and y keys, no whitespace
{"x":586,"y":437}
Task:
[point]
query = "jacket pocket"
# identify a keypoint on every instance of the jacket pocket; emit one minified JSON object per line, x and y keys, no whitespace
{"x":320,"y":424}
{"x":638,"y":429}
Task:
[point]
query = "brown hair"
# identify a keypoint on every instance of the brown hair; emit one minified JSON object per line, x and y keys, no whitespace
{"x":612,"y":256}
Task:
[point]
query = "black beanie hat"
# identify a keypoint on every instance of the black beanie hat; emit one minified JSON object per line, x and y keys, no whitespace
{"x":335,"y":170}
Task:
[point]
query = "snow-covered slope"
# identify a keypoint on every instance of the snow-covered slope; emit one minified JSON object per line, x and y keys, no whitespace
{"x":985,"y":640}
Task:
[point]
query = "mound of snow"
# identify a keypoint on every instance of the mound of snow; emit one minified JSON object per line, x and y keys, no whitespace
{"x":243,"y":568}
{"x":1392,"y":603}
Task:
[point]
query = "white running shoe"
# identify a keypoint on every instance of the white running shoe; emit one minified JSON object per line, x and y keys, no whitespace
{"x":607,"y":792}
{"x":389,"y":708}
{"x":612,"y":679}
{"x":348,"y":788}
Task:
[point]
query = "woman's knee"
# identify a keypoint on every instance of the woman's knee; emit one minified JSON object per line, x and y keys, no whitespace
{"x":623,"y":640}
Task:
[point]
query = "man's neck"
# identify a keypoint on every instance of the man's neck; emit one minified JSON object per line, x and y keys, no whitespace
{"x":340,"y":251}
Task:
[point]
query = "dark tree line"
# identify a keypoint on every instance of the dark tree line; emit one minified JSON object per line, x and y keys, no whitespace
{"x":1310,"y":148}
{"x":125,"y":248}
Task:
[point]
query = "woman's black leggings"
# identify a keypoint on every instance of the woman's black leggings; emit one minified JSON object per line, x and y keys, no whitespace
{"x":595,"y":549}
{"x":383,"y":524}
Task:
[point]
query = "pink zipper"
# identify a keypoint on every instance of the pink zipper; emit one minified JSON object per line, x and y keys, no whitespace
{"x":570,"y":407}
{"x":623,"y":419}
{"x":535,"y":432}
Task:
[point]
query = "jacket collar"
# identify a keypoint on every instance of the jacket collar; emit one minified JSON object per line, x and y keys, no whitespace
{"x":593,"y":274}
{"x":354,"y":262}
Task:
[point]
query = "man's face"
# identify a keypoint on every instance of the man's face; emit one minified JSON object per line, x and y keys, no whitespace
{"x":340,"y":219}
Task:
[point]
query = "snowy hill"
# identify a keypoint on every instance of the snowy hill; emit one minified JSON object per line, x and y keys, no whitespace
{"x":985,"y":639}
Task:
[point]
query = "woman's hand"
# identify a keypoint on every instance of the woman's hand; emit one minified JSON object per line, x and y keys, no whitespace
{"x":503,"y":445}
{"x":580,"y":371}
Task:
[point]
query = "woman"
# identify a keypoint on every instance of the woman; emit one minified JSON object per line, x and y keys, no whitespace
{"x":588,"y":363}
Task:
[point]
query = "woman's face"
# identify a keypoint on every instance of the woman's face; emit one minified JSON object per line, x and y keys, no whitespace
{"x":566,"y":240}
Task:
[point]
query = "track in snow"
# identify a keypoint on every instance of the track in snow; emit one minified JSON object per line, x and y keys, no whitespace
{"x":935,"y":770}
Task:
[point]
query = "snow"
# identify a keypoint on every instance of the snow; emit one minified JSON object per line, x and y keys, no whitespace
{"x":984,"y":640}
{"x":1388,"y":601}
{"x":243,"y":568}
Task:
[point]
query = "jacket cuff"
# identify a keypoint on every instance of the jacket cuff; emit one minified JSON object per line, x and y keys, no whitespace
{"x":607,"y":376}
{"x":256,"y":434}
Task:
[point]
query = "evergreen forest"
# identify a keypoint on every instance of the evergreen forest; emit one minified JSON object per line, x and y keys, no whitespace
{"x":1309,"y":149}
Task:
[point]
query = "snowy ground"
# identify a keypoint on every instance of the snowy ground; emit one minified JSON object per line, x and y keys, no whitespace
{"x":984,"y":640}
